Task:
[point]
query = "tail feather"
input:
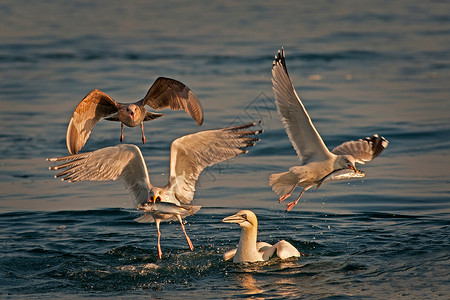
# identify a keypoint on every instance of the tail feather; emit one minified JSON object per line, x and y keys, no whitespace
{"x":151,"y":116}
{"x":283,"y":183}
{"x":191,"y":208}
{"x":114,"y":117}
{"x":147,"y":218}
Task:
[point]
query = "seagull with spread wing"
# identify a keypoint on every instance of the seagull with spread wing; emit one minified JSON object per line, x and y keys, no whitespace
{"x":316,"y":160}
{"x":164,"y":92}
{"x":189,"y":155}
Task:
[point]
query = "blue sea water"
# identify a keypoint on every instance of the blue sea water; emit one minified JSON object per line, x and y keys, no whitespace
{"x":360,"y":68}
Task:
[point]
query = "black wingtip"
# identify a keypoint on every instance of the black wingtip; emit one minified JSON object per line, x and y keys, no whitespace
{"x":378,"y":143}
{"x":256,"y":123}
{"x":243,"y":126}
{"x":280,"y":59}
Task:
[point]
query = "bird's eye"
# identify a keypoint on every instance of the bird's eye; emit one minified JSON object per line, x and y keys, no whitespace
{"x":244,"y":216}
{"x":158,"y":199}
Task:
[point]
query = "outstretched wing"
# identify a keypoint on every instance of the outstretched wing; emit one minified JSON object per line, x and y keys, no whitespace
{"x":123,"y":162}
{"x":363,"y":150}
{"x":303,"y":135}
{"x":166,"y":92}
{"x":92,"y":108}
{"x":190,"y":154}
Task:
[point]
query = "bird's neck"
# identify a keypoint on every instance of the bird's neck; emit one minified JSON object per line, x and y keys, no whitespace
{"x":247,"y":250}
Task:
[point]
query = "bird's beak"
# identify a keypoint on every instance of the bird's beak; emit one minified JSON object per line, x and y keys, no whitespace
{"x":350,"y":166}
{"x":233,"y":219}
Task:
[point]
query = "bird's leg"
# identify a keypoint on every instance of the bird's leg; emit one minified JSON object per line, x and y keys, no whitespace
{"x":292,"y":204}
{"x":121,"y":132}
{"x":143,"y":136}
{"x":185,"y":234}
{"x":159,"y":236}
{"x":288,"y":194}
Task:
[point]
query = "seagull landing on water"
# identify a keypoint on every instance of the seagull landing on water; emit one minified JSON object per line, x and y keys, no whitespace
{"x":317,"y":162}
{"x":164,"y":92}
{"x":189,"y":155}
{"x":248,"y":249}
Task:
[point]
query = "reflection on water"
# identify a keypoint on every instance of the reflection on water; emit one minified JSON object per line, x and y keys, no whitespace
{"x":254,"y":278}
{"x":249,"y":284}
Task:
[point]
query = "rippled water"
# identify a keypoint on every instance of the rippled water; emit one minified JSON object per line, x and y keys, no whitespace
{"x":360,"y":69}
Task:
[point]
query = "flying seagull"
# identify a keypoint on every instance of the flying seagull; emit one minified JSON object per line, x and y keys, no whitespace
{"x":189,"y":155}
{"x":248,"y":249}
{"x":164,"y":92}
{"x":317,"y":162}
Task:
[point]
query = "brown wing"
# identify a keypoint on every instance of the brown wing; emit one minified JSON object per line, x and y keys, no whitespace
{"x":92,"y":108}
{"x":166,"y":92}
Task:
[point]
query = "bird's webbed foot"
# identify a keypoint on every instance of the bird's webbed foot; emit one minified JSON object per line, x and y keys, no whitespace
{"x":121,"y":132}
{"x":292,"y":204}
{"x":143,"y":136}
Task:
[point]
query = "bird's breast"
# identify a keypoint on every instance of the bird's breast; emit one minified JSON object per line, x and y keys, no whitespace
{"x":130,"y":120}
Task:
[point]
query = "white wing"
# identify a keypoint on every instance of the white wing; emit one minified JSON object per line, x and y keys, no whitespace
{"x":363,"y":150}
{"x":229,"y":254}
{"x":123,"y":162}
{"x":190,"y":154}
{"x":282,"y":249}
{"x":303,"y":135}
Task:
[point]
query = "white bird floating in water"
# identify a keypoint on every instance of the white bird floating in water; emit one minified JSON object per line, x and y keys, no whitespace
{"x":251,"y":251}
{"x":318,"y":164}
{"x":189,"y":155}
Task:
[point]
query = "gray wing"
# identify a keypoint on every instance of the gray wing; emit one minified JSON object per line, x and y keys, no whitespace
{"x":166,"y":92}
{"x":363,"y":150}
{"x":92,"y":108}
{"x":190,"y":154}
{"x":123,"y":162}
{"x":303,"y":135}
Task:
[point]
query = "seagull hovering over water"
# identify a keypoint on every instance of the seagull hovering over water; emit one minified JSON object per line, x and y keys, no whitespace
{"x":164,"y":92}
{"x":248,"y":249}
{"x":189,"y":155}
{"x":317,"y":162}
